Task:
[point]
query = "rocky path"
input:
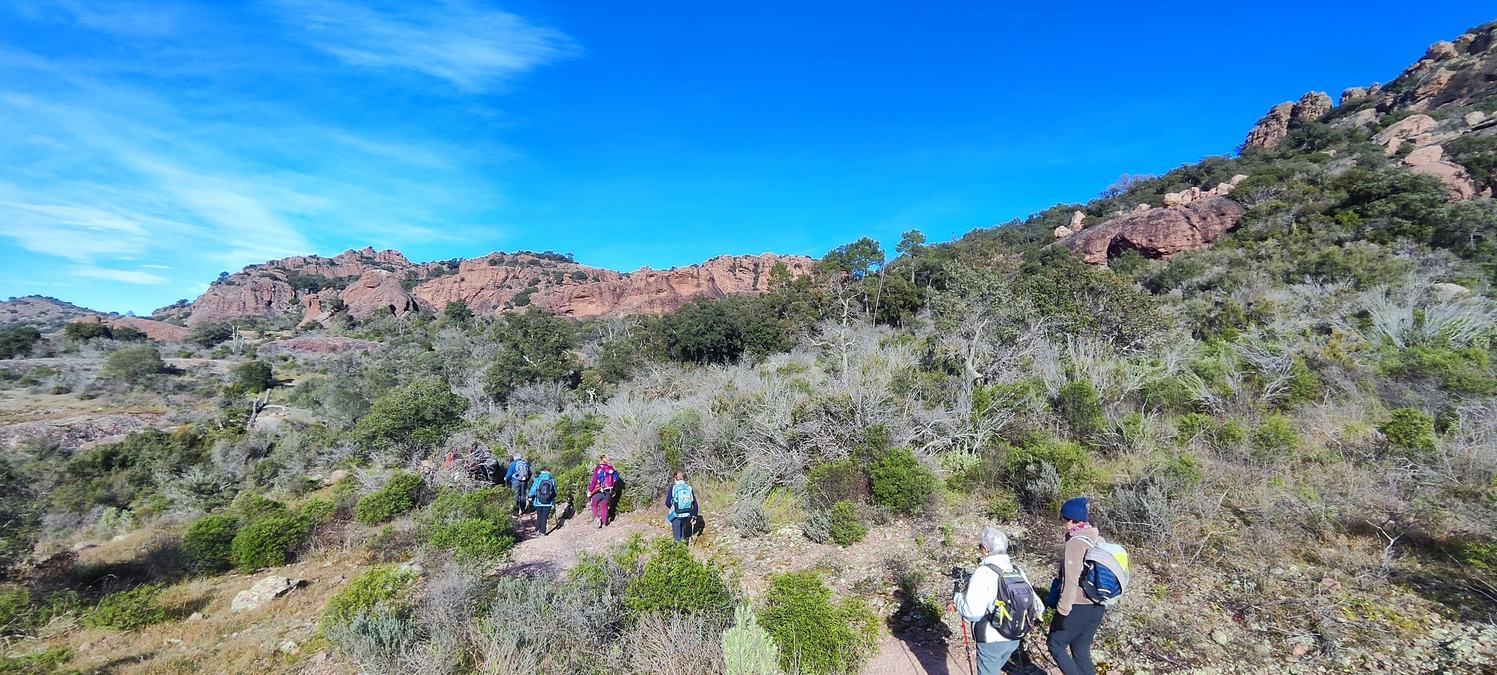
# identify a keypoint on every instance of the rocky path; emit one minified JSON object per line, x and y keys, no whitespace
{"x":557,"y":552}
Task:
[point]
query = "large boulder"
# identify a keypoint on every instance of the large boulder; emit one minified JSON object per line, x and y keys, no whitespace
{"x":1157,"y":233}
{"x":264,"y":590}
{"x":377,"y":292}
{"x":1430,"y":161}
{"x":1272,"y":129}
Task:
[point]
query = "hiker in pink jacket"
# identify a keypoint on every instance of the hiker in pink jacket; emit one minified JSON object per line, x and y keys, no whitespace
{"x":600,"y":490}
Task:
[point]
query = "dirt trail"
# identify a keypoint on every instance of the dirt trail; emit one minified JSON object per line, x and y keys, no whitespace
{"x":557,"y":552}
{"x":915,"y":658}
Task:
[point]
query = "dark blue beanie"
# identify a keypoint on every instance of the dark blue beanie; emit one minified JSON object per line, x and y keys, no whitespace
{"x":1074,"y":509}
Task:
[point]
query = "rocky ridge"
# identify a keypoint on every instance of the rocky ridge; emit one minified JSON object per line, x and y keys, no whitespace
{"x":366,"y":283}
{"x":1415,"y":115}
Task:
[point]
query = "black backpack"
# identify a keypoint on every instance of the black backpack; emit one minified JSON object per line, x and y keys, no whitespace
{"x":545,"y":493}
{"x":1014,"y":611}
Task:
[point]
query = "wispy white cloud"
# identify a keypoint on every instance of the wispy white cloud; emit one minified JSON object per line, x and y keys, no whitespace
{"x":123,"y":276}
{"x":473,"y":46}
{"x":123,"y":17}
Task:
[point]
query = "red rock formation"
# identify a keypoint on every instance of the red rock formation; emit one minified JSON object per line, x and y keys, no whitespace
{"x":650,"y":291}
{"x":490,"y":284}
{"x":1157,"y":233}
{"x":156,"y":330}
{"x":377,"y":293}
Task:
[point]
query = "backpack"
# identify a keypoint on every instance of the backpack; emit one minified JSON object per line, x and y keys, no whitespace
{"x":605,"y":478}
{"x":1014,"y":611}
{"x":1104,"y":572}
{"x":545,"y":493}
{"x":683,"y":499}
{"x":522,"y":470}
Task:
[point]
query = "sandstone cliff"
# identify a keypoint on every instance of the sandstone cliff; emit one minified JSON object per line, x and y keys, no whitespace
{"x":367,"y":283}
{"x":1157,"y":232}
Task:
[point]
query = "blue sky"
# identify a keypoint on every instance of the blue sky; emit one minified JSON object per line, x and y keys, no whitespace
{"x":148,"y":145}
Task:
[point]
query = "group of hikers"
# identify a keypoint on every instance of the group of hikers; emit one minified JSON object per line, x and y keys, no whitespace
{"x":1001,"y":607}
{"x":997,"y":603}
{"x":536,"y":491}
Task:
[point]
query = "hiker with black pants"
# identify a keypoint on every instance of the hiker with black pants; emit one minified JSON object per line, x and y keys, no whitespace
{"x":1077,"y":617}
{"x":518,"y":477}
{"x":543,"y":497}
{"x":681,"y":509}
{"x":998,"y":599}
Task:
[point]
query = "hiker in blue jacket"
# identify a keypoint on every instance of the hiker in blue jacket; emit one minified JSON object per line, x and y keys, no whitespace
{"x":543,"y":497}
{"x":681,"y":509}
{"x":518,"y":477}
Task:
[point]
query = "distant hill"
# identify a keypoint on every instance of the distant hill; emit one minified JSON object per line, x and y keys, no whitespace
{"x":42,"y":311}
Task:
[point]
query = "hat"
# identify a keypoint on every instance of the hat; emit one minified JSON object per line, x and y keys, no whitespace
{"x":1074,"y":509}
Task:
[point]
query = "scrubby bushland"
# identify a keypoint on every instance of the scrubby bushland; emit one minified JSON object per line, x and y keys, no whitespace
{"x":253,"y":377}
{"x":17,"y":341}
{"x":748,"y":649}
{"x":398,"y":496}
{"x":473,"y":538}
{"x":385,"y":585}
{"x":814,"y":635}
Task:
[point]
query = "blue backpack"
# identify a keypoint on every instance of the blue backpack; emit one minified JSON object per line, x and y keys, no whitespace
{"x":683,"y":498}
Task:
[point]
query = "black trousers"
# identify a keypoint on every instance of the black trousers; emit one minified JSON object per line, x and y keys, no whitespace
{"x":1071,"y":638}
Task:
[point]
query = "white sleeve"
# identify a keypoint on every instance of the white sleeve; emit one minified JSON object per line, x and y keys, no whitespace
{"x":982,"y":590}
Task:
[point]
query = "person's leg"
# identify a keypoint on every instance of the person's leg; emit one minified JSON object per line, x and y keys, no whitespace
{"x":542,"y":513}
{"x":678,"y":528}
{"x":1081,"y":646}
{"x":992,"y":656}
{"x":1059,"y":643}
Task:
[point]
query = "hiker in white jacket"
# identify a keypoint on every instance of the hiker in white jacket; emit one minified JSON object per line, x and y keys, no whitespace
{"x":975,"y":604}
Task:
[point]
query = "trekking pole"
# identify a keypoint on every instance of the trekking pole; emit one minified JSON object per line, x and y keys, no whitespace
{"x":967,"y":648}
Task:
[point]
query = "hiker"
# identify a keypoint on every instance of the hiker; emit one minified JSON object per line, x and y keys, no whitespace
{"x":1077,"y":617}
{"x":681,"y":509}
{"x":543,"y":497}
{"x":999,"y":603}
{"x":600,"y":490}
{"x":518,"y":477}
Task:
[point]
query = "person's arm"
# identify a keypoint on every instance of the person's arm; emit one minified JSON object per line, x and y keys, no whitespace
{"x":533,"y":485}
{"x":982,"y":590}
{"x":1070,"y":575}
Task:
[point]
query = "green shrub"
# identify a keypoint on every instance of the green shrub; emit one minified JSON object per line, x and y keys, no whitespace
{"x":210,"y":333}
{"x":829,"y":483}
{"x":846,"y":528}
{"x":748,"y":649}
{"x":134,"y":364}
{"x":674,"y":582}
{"x":398,"y":496}
{"x":128,"y":610}
{"x":814,"y":635}
{"x":1004,"y":508}
{"x":317,"y":511}
{"x":48,"y":661}
{"x":1230,"y":434}
{"x":209,"y":542}
{"x":901,"y":482}
{"x":17,"y":341}
{"x":1410,"y":429}
{"x":1466,"y":371}
{"x":83,"y":331}
{"x":1275,"y":435}
{"x":1478,"y":555}
{"x":422,"y":413}
{"x":380,"y":585}
{"x":492,"y":503}
{"x":15,"y":611}
{"x":1192,"y":426}
{"x":1079,"y":405}
{"x":473,"y":538}
{"x":1072,"y":464}
{"x":268,"y":542}
{"x":252,"y":507}
{"x":253,"y":377}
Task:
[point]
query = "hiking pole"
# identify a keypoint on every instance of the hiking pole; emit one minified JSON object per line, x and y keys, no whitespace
{"x":957,"y":575}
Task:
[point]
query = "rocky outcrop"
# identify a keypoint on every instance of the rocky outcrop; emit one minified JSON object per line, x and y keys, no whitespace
{"x":493,"y":283}
{"x":155,"y":330}
{"x":1272,"y":129}
{"x":377,"y":292}
{"x":650,"y":291}
{"x":1430,"y":161}
{"x":1159,"y":232}
{"x":1456,"y":72}
{"x":264,"y":590}
{"x":1417,"y":137}
{"x":242,"y":296}
{"x":72,"y":433}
